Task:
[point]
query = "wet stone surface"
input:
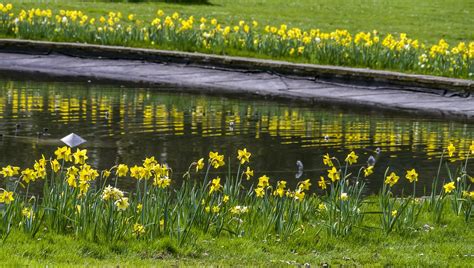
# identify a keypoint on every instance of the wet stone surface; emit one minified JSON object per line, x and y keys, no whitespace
{"x":209,"y":79}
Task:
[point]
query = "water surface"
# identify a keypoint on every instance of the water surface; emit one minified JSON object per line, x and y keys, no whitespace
{"x":125,"y":124}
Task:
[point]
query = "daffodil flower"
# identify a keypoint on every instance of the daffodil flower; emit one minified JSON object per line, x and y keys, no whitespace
{"x":449,"y":187}
{"x":392,"y":179}
{"x":412,"y":176}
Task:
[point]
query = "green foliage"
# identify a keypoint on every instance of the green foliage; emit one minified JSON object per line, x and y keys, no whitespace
{"x":373,"y":50}
{"x":79,"y":203}
{"x":449,"y":19}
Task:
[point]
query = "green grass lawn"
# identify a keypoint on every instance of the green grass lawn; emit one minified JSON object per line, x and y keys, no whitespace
{"x":426,"y":20}
{"x":449,"y":244}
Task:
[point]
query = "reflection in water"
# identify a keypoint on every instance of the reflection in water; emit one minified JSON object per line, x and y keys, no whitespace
{"x":127,"y":124}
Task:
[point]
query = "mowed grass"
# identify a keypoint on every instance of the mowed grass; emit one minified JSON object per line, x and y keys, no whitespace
{"x":427,"y":21}
{"x":450,"y":243}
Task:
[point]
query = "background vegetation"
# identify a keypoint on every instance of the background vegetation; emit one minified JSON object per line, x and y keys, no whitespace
{"x":428,"y":21}
{"x":450,"y":243}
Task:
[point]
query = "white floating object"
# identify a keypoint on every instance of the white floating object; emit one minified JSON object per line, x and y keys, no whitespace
{"x":72,"y":140}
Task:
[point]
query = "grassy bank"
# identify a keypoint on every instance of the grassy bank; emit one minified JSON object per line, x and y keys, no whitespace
{"x":428,"y":21}
{"x":447,"y":244}
{"x":82,"y":217}
{"x":256,"y":37}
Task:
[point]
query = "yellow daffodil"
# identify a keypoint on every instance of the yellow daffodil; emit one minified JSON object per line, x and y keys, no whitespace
{"x":299,"y":195}
{"x":392,"y":179}
{"x":122,"y":203}
{"x":105,"y":174}
{"x":200,"y":164}
{"x":55,"y":166}
{"x":40,"y":173}
{"x":111,"y":193}
{"x":394,"y":213}
{"x":304,"y":185}
{"x":28,"y":175}
{"x":225,"y":199}
{"x":64,"y":153}
{"x":322,"y":183}
{"x":280,"y":189}
{"x":344,"y":196}
{"x":71,"y":181}
{"x":146,"y":173}
{"x":122,"y":170}
{"x":239,"y":210}
{"x":72,"y":171}
{"x":161,"y":182}
{"x":327,"y":160}
{"x":138,"y":229}
{"x":243,"y":156}
{"x":351,"y":158}
{"x":150,"y":162}
{"x":334,"y":174}
{"x":368,"y":171}
{"x":281,"y":184}
{"x":161,"y":170}
{"x":263,"y":181}
{"x":279,"y":192}
{"x":83,"y":187}
{"x":451,"y":150}
{"x":135,"y":172}
{"x":449,"y":187}
{"x":80,"y":157}
{"x":216,"y":159}
{"x":411,"y":175}
{"x":471,"y":148}
{"x":216,"y":209}
{"x":41,"y":163}
{"x":87,"y":173}
{"x":9,"y":171}
{"x":6,"y":197}
{"x":27,"y":213}
{"x":215,"y":185}
{"x":248,"y":173}
{"x":259,"y":192}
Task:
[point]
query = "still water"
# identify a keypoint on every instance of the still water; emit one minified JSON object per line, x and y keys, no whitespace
{"x":125,"y":124}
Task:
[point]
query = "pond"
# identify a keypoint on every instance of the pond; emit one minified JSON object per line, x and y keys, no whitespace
{"x":124,"y":124}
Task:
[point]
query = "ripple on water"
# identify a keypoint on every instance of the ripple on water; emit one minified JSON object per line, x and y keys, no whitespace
{"x":127,"y":124}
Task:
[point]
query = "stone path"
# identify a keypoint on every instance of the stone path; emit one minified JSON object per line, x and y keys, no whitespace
{"x":215,"y":80}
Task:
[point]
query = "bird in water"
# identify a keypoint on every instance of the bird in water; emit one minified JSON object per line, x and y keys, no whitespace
{"x":372,"y":160}
{"x":299,"y":169}
{"x":44,"y":132}
{"x":17,"y":127}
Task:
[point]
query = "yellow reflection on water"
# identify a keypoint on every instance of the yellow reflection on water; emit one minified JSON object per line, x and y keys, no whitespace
{"x":128,"y":110}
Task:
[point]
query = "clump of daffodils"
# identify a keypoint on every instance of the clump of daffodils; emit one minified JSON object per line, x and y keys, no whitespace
{"x":112,"y":193}
{"x":173,"y":30}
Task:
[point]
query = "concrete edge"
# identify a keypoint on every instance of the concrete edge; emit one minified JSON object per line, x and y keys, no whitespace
{"x":193,"y":88}
{"x":323,"y":72}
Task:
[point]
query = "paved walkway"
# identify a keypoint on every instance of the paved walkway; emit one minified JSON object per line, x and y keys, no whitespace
{"x":208,"y":79}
